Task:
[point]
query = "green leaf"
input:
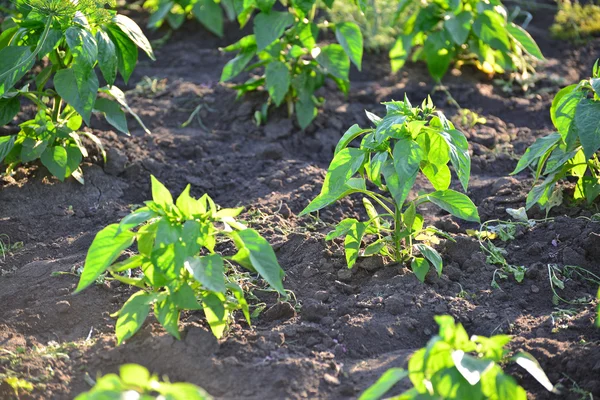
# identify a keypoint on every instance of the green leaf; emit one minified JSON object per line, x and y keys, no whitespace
{"x":261,"y":256}
{"x":353,"y":241}
{"x":400,"y":52}
{"x":216,"y":313}
{"x":471,"y":368}
{"x":265,"y":5}
{"x":407,"y":158}
{"x":587,"y":120}
{"x":455,"y":203}
{"x":209,"y":13}
{"x":352,"y":133}
{"x":432,"y":256}
{"x":6,"y":145}
{"x":420,"y":267}
{"x":531,"y":365}
{"x":83,"y":47}
{"x":459,"y":26}
{"x":160,"y":194}
{"x":306,"y":112}
{"x":438,"y":175}
{"x":10,"y":57}
{"x":209,"y":271}
{"x":119,"y":96}
{"x":439,"y":53}
{"x":348,"y":34}
{"x":278,"y":81}
{"x":9,"y":108}
{"x":335,"y":61}
{"x":341,"y":228}
{"x":536,"y":150}
{"x":136,"y":218}
{"x":107,"y":57}
{"x":525,"y":40}
{"x":459,"y":155}
{"x":386,"y":382}
{"x":127,"y":51}
{"x":134,"y":33}
{"x":113,"y":113}
{"x":491,"y":27}
{"x":269,"y":27}
{"x":167,"y":313}
{"x":236,"y":65}
{"x":343,"y":166}
{"x":304,"y":6}
{"x":105,"y":249}
{"x":79,"y":89}
{"x":185,"y":298}
{"x":61,"y":161}
{"x":132,"y":315}
{"x":158,"y":16}
{"x":32,"y":149}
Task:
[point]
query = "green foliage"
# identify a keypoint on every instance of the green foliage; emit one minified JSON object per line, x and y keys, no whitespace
{"x":407,"y":140}
{"x":377,"y":20}
{"x":135,"y":381}
{"x":295,"y":66}
{"x":575,"y":21}
{"x":181,"y":270}
{"x":570,"y":152}
{"x":454,"y":366}
{"x":441,"y":32}
{"x":75,"y":38}
{"x":209,"y":13}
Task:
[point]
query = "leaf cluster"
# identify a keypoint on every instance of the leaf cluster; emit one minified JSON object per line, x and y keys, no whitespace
{"x":576,"y":21}
{"x":408,"y":140}
{"x":70,"y":40}
{"x":441,"y":32}
{"x":572,"y":151}
{"x":456,"y":366}
{"x":284,"y":47}
{"x":135,"y":381}
{"x":180,"y":267}
{"x":210,"y":13}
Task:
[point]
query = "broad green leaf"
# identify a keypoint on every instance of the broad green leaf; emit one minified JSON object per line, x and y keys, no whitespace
{"x":420,"y":267}
{"x":261,"y":256}
{"x":541,"y":193}
{"x":185,"y":298}
{"x":216,"y":313}
{"x":79,"y":89}
{"x":136,"y":218}
{"x":83,"y":46}
{"x":6,"y":145}
{"x":562,"y":112}
{"x":236,"y":65}
{"x":160,"y":194}
{"x":209,"y":13}
{"x":384,"y":384}
{"x":432,"y":256}
{"x":278,"y":80}
{"x":353,"y":241}
{"x":536,"y":150}
{"x":119,"y":96}
{"x":459,"y":26}
{"x":32,"y":149}
{"x":595,"y":83}
{"x":407,"y":158}
{"x":455,"y":203}
{"x":497,"y":385}
{"x":9,"y":108}
{"x":335,"y":61}
{"x":491,"y":27}
{"x":113,"y":113}
{"x":209,"y":271}
{"x":438,"y":175}
{"x":439,"y":53}
{"x":525,"y":40}
{"x":352,"y":133}
{"x":127,"y":51}
{"x":348,"y":34}
{"x":308,"y":35}
{"x":306,"y":112}
{"x":107,"y":57}
{"x":134,"y":33}
{"x":304,"y":6}
{"x":186,"y":204}
{"x":157,"y":17}
{"x":343,"y":166}
{"x":341,"y":228}
{"x":354,"y":185}
{"x":61,"y":161}
{"x":265,"y":5}
{"x":105,"y":249}
{"x":10,"y":58}
{"x":132,"y":315}
{"x":471,"y":368}
{"x":167,"y":313}
{"x":135,"y":375}
{"x":587,"y":120}
{"x":269,"y":27}
{"x":400,"y":52}
{"x":459,"y":155}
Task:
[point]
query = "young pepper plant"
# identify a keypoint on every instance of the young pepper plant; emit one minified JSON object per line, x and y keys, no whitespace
{"x":454,"y":367}
{"x":284,"y":43}
{"x":441,"y":32}
{"x":407,"y":140}
{"x":181,"y":269}
{"x":572,"y":151}
{"x":70,"y":39}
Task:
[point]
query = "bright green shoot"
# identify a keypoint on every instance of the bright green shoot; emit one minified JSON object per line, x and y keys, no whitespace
{"x":180,"y":267}
{"x":407,"y":140}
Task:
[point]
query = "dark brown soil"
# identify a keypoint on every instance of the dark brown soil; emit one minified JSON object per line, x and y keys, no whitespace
{"x":345,"y":328}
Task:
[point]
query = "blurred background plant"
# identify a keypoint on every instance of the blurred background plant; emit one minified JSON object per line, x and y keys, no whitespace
{"x":576,"y":21}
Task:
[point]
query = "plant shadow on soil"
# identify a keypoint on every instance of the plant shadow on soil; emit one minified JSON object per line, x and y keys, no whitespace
{"x":348,"y":326}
